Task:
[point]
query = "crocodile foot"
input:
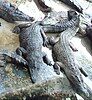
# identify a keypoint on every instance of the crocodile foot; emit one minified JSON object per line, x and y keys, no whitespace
{"x":58,"y":66}
{"x":52,"y":41}
{"x":22,"y":52}
{"x":11,"y":57}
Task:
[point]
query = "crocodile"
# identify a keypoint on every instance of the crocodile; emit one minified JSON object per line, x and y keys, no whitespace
{"x":64,"y":60}
{"x":61,"y":25}
{"x":32,"y":38}
{"x":10,"y":13}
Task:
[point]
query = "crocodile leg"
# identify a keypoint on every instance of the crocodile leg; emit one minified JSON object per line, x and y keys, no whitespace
{"x":11,"y":57}
{"x":24,"y":25}
{"x":18,"y":28}
{"x":45,"y":40}
{"x":52,"y":41}
{"x":58,"y":66}
{"x":46,"y":59}
{"x":22,"y":52}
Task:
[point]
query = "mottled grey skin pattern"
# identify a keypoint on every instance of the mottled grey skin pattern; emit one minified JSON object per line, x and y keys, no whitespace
{"x":32,"y":40}
{"x":63,"y":53}
{"x":9,"y":13}
{"x":61,"y":25}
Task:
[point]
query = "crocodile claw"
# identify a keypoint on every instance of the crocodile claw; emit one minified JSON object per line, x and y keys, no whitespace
{"x":56,"y":69}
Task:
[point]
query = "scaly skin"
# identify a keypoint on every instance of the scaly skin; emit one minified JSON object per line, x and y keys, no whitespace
{"x":55,"y":17}
{"x":63,"y":53}
{"x":32,"y":40}
{"x":9,"y":13}
{"x":60,"y":26}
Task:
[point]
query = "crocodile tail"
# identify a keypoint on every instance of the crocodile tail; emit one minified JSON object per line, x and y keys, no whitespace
{"x":85,"y":92}
{"x":30,"y":71}
{"x":61,"y":26}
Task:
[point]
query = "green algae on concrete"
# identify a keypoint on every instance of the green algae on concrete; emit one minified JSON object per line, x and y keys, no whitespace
{"x":12,"y":86}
